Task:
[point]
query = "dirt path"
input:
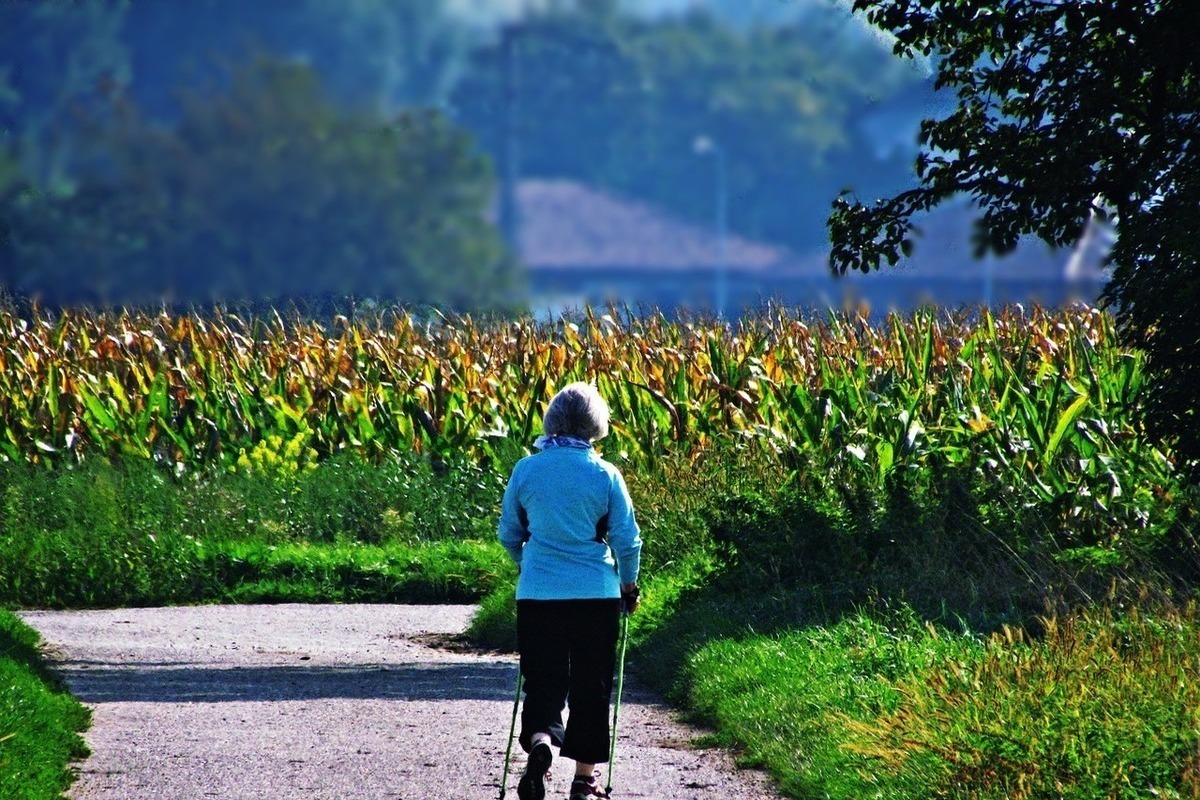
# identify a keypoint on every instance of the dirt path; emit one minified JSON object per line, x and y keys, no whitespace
{"x":328,"y":702}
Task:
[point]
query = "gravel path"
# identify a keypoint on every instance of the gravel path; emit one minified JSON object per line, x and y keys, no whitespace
{"x":329,"y":702}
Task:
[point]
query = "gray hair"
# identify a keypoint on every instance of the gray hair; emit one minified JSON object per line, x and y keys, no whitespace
{"x":577,"y":410}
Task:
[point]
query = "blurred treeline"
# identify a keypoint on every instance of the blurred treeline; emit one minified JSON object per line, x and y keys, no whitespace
{"x":200,"y":150}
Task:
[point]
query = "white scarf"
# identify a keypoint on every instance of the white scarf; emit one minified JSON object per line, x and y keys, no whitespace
{"x":546,"y":442}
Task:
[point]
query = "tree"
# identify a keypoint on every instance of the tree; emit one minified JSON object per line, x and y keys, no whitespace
{"x":267,"y":191}
{"x":1066,"y":110}
{"x":618,"y":101}
{"x":381,"y":53}
{"x":57,"y":57}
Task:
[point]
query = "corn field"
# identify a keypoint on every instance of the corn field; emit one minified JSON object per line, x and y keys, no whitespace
{"x":1042,"y":398}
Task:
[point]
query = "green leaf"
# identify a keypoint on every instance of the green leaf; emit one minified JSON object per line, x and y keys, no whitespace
{"x":158,"y":395}
{"x":887,"y":456}
{"x":1065,"y":421}
{"x":100,"y":415}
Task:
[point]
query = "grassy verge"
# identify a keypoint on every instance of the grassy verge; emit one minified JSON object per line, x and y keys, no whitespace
{"x":166,"y":573}
{"x":1101,"y":706}
{"x":785,"y":700}
{"x":100,"y":535}
{"x":835,"y":646}
{"x":437,"y":572}
{"x":39,"y":721}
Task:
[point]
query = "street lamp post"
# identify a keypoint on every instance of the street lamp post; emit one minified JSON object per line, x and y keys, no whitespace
{"x":510,"y":169}
{"x":704,"y":145}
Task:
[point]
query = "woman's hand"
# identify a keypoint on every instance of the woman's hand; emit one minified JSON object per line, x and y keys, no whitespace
{"x":629,"y":597}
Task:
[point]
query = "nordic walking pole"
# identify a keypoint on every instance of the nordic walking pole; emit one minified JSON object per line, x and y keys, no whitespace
{"x":612,"y":748}
{"x":511,"y":731}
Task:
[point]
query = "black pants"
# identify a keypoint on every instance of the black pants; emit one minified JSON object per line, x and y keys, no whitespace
{"x":568,"y":652}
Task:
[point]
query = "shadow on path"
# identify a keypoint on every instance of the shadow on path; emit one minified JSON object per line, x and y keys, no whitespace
{"x":199,"y":683}
{"x":235,"y":703}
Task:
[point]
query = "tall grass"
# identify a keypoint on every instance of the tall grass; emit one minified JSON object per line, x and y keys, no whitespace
{"x":787,"y":699}
{"x":1040,"y":406}
{"x":132,"y":534}
{"x":1102,"y":704}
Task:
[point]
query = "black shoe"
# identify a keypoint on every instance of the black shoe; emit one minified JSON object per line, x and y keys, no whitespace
{"x":533,"y":782}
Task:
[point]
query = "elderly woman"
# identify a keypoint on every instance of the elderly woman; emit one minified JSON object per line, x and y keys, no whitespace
{"x":568,"y":523}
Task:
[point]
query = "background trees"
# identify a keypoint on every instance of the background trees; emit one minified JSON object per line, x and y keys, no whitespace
{"x":382,"y":54}
{"x":1065,"y":112}
{"x":57,"y":58}
{"x":266,"y":190}
{"x":617,"y":101}
{"x":800,"y":101}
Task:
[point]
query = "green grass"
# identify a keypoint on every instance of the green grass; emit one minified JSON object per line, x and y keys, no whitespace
{"x":258,"y":572}
{"x":877,"y":703}
{"x":39,"y":721}
{"x":102,"y":535}
{"x":437,"y":572}
{"x":784,"y":700}
{"x":494,"y":625}
{"x":1102,"y":705}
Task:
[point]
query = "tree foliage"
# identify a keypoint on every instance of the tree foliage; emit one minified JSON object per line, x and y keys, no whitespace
{"x":606,"y":93}
{"x":57,"y":58}
{"x":618,"y":101}
{"x":1065,"y":111}
{"x":60,"y":57}
{"x":379,"y":53}
{"x":264,"y":190}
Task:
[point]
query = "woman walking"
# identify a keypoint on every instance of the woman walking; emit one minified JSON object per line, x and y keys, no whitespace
{"x":568,"y":523}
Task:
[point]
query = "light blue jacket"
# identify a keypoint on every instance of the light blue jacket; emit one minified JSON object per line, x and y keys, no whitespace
{"x":568,"y":523}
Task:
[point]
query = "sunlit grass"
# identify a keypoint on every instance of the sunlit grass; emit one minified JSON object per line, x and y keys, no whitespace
{"x":437,"y":572}
{"x":1103,"y":704}
{"x":1098,"y":704}
{"x":39,"y":721}
{"x":785,"y":699}
{"x":99,"y":535}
